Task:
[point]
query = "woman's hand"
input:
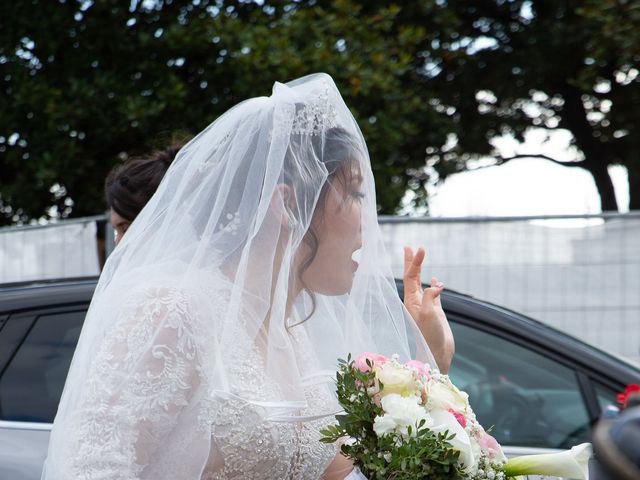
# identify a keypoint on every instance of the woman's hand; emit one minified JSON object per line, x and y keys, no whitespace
{"x":426,"y":309}
{"x":339,"y":469}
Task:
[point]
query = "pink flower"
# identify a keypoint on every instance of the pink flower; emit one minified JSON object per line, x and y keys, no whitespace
{"x":360,"y":362}
{"x":421,"y":367}
{"x":462,"y":420}
{"x":489,"y":445}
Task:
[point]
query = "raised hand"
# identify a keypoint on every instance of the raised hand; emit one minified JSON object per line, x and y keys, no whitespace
{"x":426,"y":309}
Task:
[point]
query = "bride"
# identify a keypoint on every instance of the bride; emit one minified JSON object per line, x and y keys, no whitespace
{"x":210,"y":346}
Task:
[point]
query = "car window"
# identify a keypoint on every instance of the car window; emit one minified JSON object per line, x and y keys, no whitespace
{"x":606,"y":396}
{"x":528,"y":400}
{"x":31,"y":385}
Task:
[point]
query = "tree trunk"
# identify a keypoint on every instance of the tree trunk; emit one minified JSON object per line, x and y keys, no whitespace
{"x":596,"y":157}
{"x":604,"y":184}
{"x":634,"y":189}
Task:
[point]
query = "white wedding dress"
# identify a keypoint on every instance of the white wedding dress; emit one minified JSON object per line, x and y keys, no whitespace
{"x":251,"y":448}
{"x":142,"y":382}
{"x":192,"y":363}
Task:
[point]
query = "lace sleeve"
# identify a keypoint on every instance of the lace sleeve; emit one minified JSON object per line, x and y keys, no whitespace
{"x":143,"y":376}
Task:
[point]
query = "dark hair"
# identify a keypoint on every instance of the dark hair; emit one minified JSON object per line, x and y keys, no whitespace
{"x":129,"y":186}
{"x":337,"y":152}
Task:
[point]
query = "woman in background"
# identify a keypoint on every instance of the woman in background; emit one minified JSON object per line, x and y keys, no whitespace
{"x":130,"y":185}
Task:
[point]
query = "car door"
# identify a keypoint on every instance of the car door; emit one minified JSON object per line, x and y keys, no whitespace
{"x":530,"y":398}
{"x":37,"y":347}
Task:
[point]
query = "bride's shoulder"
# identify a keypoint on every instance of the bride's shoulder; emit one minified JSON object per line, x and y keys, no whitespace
{"x":192,"y":296}
{"x":172,"y":285}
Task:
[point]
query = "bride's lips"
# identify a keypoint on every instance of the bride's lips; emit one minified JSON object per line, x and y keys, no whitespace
{"x":355,"y":257}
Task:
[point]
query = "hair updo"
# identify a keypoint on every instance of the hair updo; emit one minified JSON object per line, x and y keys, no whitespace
{"x":129,"y":186}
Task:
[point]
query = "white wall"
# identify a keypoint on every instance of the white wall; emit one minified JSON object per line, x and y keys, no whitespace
{"x":580,"y":276}
{"x":56,"y":251}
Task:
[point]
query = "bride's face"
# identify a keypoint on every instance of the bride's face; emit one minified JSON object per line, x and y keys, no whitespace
{"x":336,"y":225}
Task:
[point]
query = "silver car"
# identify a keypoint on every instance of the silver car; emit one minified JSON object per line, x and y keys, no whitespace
{"x":541,"y":390}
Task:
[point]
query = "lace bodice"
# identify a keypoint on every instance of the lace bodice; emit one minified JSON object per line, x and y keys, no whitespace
{"x":252,"y":447}
{"x":151,"y":376}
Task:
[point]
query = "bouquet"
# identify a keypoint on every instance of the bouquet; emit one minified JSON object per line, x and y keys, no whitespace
{"x":407,"y":421}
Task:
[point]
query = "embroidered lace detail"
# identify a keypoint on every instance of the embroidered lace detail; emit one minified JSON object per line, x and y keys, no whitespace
{"x":253,"y":447}
{"x":233,"y":224}
{"x":143,"y":375}
{"x":153,"y":368}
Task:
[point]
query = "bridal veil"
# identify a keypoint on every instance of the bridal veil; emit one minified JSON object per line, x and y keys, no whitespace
{"x":218,"y":249}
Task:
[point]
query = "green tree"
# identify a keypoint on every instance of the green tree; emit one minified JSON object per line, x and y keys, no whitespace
{"x":508,"y":66}
{"x":89,"y":83}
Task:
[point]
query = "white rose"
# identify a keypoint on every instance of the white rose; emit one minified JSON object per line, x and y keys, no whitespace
{"x":396,"y":378}
{"x":443,"y":420}
{"x":445,"y":395}
{"x":384,"y":425}
{"x":400,"y":413}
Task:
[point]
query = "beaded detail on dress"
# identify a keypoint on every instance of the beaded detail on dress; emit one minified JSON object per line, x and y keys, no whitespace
{"x":252,"y":447}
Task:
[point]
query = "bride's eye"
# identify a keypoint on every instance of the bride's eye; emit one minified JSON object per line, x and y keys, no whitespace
{"x":358,"y":195}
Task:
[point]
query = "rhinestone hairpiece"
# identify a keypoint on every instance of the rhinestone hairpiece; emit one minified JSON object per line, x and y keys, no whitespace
{"x":315,"y":116}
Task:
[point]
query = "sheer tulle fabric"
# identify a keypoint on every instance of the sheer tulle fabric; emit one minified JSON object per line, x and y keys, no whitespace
{"x":200,"y":357}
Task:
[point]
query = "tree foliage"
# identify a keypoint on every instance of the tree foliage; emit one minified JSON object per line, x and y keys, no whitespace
{"x":88,"y":83}
{"x":509,"y":66}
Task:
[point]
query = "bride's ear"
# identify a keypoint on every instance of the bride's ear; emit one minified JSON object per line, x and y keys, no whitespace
{"x":282,"y":206}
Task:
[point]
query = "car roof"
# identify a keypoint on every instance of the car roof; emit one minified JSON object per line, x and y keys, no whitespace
{"x":43,"y":293}
{"x":472,"y":311}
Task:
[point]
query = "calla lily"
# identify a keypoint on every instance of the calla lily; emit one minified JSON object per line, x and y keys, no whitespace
{"x":572,"y":463}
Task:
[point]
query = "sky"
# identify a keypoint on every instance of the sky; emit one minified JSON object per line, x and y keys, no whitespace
{"x":525,"y":186}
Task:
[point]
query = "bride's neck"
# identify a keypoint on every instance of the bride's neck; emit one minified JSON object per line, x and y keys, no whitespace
{"x":254,"y":276}
{"x":293,"y":286}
